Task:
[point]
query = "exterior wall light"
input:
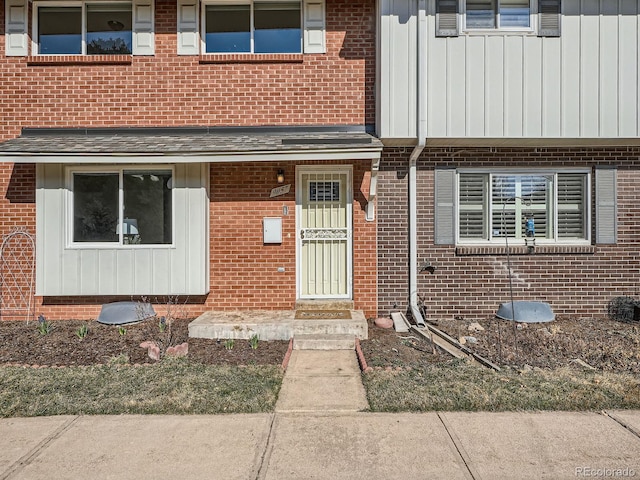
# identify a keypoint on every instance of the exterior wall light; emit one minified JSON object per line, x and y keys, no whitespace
{"x":280,"y":176}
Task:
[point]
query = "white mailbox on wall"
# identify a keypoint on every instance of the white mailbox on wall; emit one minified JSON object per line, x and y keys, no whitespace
{"x":272,"y":232}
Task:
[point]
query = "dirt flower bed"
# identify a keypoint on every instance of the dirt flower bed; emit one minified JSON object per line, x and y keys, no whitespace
{"x":23,"y":343}
{"x":599,"y":343}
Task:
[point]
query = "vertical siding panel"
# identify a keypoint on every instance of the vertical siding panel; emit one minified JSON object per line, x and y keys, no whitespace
{"x":495,"y":86}
{"x":551,"y":87}
{"x":161,"y":270}
{"x":475,"y":87}
{"x":571,"y":69}
{"x":628,"y":56}
{"x":513,"y":86}
{"x":437,"y":92}
{"x":456,"y":79}
{"x":127,"y":272}
{"x":532,"y":101}
{"x":51,"y":225}
{"x":609,"y":68}
{"x":108,"y":268}
{"x":179,"y":266}
{"x":143,"y":278}
{"x":88,"y":268}
{"x":197,"y":244}
{"x":398,"y":69}
{"x":590,"y":53}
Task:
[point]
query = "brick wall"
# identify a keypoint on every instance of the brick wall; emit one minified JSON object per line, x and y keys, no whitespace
{"x":244,"y":271}
{"x":472,"y":283}
{"x":336,"y":88}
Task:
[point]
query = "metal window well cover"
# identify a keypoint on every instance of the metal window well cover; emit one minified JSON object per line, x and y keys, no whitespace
{"x":526,"y":312}
{"x":121,"y":313}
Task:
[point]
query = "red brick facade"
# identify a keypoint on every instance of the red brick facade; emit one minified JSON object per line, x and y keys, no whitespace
{"x":336,"y":88}
{"x":472,"y":282}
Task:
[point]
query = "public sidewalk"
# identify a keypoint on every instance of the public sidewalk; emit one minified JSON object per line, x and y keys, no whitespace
{"x":334,"y":445}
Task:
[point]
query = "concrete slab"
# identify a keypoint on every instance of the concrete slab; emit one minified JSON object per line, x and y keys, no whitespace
{"x":629,"y":418}
{"x":554,"y":445}
{"x":322,"y":381}
{"x":362,"y":446}
{"x":318,"y":394}
{"x":314,"y":362}
{"x":21,"y":436}
{"x":137,"y":447}
{"x":273,"y":325}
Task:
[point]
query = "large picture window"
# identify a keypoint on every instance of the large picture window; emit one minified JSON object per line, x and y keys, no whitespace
{"x":253,"y":27}
{"x":498,"y":14}
{"x":126,"y":207}
{"x":84,"y":28}
{"x":550,"y":206}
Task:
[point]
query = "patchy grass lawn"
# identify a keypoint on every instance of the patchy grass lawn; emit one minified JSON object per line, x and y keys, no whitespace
{"x":173,"y":386}
{"x":459,"y":386}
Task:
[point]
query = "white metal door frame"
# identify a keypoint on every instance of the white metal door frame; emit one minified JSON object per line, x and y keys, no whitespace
{"x":346,"y":170}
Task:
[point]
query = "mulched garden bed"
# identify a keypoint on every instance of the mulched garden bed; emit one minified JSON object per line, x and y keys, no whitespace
{"x":22,"y":343}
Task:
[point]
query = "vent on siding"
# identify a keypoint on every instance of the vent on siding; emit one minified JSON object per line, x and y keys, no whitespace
{"x":446,"y":18}
{"x":549,"y":18}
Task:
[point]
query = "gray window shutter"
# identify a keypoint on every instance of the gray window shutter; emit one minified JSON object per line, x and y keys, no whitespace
{"x":143,"y":35}
{"x":446,"y":18}
{"x":549,"y":13}
{"x":188,"y":31}
{"x":445,"y":191}
{"x":314,"y":26}
{"x":606,"y":206}
{"x":16,"y":24}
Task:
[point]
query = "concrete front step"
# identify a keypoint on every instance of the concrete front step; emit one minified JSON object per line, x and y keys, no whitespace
{"x":324,"y":342}
{"x":274,"y":325}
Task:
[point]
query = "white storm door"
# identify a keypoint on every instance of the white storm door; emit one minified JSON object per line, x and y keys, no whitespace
{"x":323,"y":209}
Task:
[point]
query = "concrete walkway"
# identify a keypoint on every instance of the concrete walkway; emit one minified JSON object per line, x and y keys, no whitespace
{"x":322,"y":381}
{"x":338,"y":445}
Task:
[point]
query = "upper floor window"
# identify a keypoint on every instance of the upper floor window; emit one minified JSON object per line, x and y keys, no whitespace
{"x":84,"y":28}
{"x":455,"y":17}
{"x":253,"y":27}
{"x":489,"y":14}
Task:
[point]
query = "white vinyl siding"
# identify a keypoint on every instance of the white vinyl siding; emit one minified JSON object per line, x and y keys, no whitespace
{"x":178,"y":269}
{"x":580,"y":85}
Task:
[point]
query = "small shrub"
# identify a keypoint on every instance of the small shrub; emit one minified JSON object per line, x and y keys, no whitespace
{"x":122,"y":331}
{"x":229,"y":343}
{"x":82,"y":331}
{"x":623,"y":309}
{"x":253,"y":341}
{"x":163,"y":324}
{"x":44,"y":326}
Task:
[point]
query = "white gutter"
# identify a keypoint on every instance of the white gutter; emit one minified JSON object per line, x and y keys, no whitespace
{"x":421,"y":121}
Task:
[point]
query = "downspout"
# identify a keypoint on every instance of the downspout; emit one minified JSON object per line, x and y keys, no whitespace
{"x":421,"y":127}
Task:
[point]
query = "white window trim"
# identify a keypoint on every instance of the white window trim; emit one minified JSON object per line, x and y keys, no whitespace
{"x":35,"y":48}
{"x":251,"y":3}
{"x":531,"y":30}
{"x":539,"y":241}
{"x":70,"y":170}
